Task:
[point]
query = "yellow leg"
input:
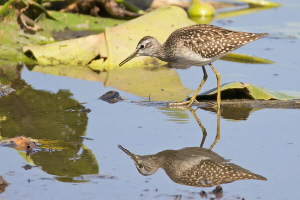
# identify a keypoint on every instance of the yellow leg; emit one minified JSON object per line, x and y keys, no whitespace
{"x":218,"y":86}
{"x":218,"y":135}
{"x":193,"y":98}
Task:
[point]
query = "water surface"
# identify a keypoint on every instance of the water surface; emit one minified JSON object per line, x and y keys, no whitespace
{"x":264,"y":141}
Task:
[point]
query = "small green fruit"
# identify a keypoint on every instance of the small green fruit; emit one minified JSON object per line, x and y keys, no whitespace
{"x":202,"y":9}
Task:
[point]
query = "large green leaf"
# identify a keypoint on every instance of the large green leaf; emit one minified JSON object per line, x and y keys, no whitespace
{"x":66,"y":25}
{"x":115,"y":44}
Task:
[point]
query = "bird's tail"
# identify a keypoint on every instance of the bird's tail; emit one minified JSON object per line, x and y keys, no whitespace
{"x":261,"y":35}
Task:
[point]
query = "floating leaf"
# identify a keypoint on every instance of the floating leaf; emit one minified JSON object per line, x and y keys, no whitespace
{"x":239,"y":90}
{"x":115,"y":43}
{"x":243,"y":58}
{"x":261,"y":3}
{"x":234,"y":13}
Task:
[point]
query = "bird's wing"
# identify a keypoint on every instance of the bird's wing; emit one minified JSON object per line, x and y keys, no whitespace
{"x":211,"y":41}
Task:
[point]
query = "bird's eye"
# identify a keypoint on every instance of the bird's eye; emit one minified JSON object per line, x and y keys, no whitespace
{"x":142,"y":46}
{"x":140,"y":166}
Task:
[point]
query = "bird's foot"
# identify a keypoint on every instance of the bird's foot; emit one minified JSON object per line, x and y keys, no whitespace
{"x":185,"y":104}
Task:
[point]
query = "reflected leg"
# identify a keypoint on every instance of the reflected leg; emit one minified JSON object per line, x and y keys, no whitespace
{"x":218,"y":135}
{"x":200,"y":124}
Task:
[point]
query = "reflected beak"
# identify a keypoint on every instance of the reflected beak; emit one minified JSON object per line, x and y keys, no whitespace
{"x":126,"y":60}
{"x":125,"y":150}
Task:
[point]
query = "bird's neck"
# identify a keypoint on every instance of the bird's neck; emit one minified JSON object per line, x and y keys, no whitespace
{"x":161,"y":53}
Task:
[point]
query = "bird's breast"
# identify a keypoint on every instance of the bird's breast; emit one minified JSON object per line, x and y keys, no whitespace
{"x":187,"y":57}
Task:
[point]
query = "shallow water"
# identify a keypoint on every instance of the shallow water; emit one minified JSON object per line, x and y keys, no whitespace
{"x":264,"y":141}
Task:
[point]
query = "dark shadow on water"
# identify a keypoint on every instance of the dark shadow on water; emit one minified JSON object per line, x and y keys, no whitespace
{"x":233,"y":113}
{"x":181,"y":116}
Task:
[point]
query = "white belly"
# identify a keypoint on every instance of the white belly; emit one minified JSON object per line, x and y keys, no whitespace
{"x":187,"y":57}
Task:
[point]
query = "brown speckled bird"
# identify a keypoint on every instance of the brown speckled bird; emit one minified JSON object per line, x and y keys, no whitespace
{"x":194,"y":166}
{"x":196,"y":45}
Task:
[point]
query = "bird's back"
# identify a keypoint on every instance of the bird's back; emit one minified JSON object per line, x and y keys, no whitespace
{"x":201,"y":44}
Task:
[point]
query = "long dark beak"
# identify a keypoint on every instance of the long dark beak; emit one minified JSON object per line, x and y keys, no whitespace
{"x":129,"y":58}
{"x":126,"y":151}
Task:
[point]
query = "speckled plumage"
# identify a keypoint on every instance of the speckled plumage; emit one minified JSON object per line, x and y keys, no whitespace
{"x":197,"y":45}
{"x":210,"y":41}
{"x":194,"y":166}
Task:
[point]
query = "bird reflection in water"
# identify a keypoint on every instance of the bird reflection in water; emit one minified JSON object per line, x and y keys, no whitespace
{"x":193,"y":166}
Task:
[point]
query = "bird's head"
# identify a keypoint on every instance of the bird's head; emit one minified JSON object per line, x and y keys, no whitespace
{"x":146,"y":165}
{"x":147,"y":46}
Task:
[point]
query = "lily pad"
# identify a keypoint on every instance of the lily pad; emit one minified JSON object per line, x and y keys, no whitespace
{"x":239,"y":90}
{"x":65,"y":26}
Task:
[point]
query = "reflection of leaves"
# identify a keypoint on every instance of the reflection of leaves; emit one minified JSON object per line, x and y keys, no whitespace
{"x":66,"y":160}
{"x":57,"y":144}
{"x":234,"y":113}
{"x":41,"y":114}
{"x":158,"y":84}
{"x":177,"y":115}
{"x":67,"y":164}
